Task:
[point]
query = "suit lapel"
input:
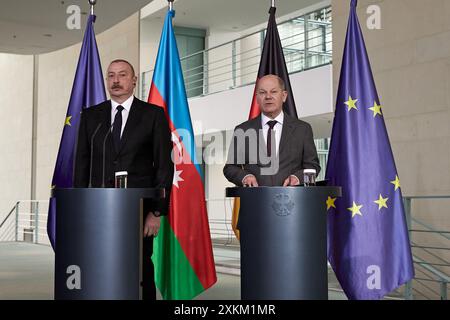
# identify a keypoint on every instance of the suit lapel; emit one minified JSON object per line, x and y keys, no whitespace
{"x":132,"y":121}
{"x":106,"y":120}
{"x":262,"y":148}
{"x":107,"y":114}
{"x":286,"y":134}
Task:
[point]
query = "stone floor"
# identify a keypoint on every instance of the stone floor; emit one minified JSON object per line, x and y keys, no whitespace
{"x":26,"y":273}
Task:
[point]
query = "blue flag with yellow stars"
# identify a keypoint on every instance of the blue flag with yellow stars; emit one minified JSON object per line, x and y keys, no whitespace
{"x":88,"y":90}
{"x":368,"y":244}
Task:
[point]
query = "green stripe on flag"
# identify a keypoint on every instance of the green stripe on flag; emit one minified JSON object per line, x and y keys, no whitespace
{"x":174,"y":275}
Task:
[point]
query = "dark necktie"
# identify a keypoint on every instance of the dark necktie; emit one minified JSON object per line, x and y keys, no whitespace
{"x":270,"y":132}
{"x":117,"y":127}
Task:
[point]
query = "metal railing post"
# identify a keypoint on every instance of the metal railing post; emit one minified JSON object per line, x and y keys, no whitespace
{"x":306,"y":53}
{"x":205,"y":73}
{"x":407,"y":206}
{"x":233,"y":62}
{"x":141,"y":87}
{"x":443,"y":286}
{"x":17,"y":222}
{"x":36,"y":222}
{"x":408,"y":291}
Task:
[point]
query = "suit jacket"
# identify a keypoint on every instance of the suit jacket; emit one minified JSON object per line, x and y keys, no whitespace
{"x":249,"y":155}
{"x":145,"y":150}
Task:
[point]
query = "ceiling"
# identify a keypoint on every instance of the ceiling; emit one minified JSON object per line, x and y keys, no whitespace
{"x":228,"y":15}
{"x":39,"y":26}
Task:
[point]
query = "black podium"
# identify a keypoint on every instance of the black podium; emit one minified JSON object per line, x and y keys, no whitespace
{"x":283,"y":234}
{"x":98,"y":242}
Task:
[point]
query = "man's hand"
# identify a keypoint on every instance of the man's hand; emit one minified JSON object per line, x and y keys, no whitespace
{"x":250,"y":181}
{"x":291,"y":181}
{"x":151,"y":225}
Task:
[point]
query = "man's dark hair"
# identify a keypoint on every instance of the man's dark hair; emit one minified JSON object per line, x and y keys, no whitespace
{"x":124,"y":61}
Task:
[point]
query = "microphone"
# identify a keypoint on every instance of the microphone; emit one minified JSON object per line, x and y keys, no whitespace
{"x":92,"y":154}
{"x":104,"y":153}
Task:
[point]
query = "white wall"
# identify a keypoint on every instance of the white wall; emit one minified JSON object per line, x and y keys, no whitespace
{"x":222,"y":111}
{"x":16,"y":92}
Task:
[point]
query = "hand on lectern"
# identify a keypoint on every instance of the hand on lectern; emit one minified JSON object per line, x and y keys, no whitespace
{"x":250,"y":181}
{"x":151,"y":225}
{"x":291,"y":181}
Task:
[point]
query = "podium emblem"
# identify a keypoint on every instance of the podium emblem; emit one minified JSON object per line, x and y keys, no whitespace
{"x":282,"y":205}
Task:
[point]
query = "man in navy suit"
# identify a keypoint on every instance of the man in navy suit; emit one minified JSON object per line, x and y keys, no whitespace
{"x":139,"y":143}
{"x":274,"y":148}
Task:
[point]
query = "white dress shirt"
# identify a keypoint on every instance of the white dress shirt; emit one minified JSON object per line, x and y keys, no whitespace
{"x":125,"y":112}
{"x":278,"y":128}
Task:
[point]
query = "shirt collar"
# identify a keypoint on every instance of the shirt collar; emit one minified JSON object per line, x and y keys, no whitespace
{"x":279,"y":118}
{"x":126,"y":104}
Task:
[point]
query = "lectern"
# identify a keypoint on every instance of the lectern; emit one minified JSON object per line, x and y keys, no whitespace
{"x":98,"y":242}
{"x":283,"y":233}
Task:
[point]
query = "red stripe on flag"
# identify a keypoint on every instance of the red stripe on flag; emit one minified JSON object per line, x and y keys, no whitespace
{"x":254,"y":109}
{"x":187,"y":212}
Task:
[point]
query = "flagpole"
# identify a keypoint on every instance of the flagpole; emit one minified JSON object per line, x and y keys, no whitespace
{"x":170,"y":4}
{"x":92,"y":3}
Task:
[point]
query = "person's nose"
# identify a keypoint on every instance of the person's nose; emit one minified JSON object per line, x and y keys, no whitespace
{"x":115,"y":80}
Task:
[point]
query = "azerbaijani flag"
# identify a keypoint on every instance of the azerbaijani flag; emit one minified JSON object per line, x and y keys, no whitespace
{"x":182,"y":255}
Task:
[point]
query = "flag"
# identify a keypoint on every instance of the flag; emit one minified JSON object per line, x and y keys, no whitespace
{"x":368,"y":244}
{"x":272,"y":62}
{"x":182,"y":255}
{"x":88,"y":89}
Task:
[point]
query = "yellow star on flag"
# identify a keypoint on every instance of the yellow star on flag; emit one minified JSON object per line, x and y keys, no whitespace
{"x":351,"y":103}
{"x":355,"y":209}
{"x":330,"y":203}
{"x":68,"y":121}
{"x":381,"y":202}
{"x":396,"y":183}
{"x":376,"y":109}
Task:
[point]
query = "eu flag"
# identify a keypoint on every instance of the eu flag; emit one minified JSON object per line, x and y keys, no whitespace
{"x":88,"y":90}
{"x":368,"y":244}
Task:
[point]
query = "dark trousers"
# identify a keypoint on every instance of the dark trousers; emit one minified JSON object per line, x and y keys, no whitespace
{"x":148,"y":275}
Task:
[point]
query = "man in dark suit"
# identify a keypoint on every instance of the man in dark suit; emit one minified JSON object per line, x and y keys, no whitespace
{"x":138,"y":142}
{"x":274,"y":148}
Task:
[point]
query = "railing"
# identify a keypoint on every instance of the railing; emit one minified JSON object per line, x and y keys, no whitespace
{"x":306,"y":42}
{"x":431,"y":261}
{"x":27,"y":222}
